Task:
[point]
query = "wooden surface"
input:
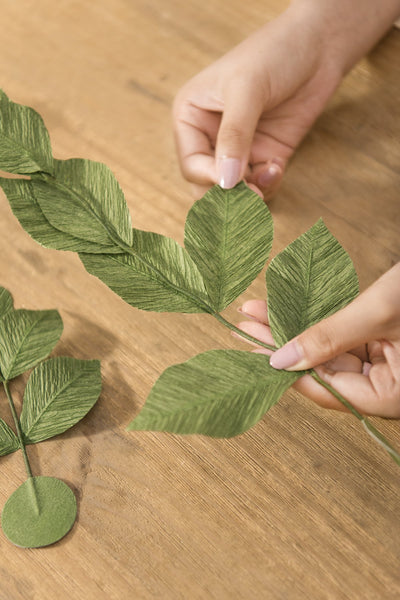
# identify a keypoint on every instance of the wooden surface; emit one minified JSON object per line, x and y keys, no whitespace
{"x":304,"y":505}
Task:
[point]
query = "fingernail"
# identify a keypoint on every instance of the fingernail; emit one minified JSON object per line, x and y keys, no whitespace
{"x":270,"y":176}
{"x":286,"y":357}
{"x":366,"y":368}
{"x":228,"y":172}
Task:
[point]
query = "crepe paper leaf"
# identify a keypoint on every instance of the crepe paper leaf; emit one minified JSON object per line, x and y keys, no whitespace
{"x":220,"y":393}
{"x":229,"y":235}
{"x":8,"y":440}
{"x":84,"y":199}
{"x":25,"y":207}
{"x":6,"y":302}
{"x":58,"y":394}
{"x":156,"y":275}
{"x":33,"y":518}
{"x":26,"y":338}
{"x":308,"y":281}
{"x":24,"y":140}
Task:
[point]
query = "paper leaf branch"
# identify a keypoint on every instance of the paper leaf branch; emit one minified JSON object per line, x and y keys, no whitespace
{"x":58,"y":394}
{"x":77,"y":205}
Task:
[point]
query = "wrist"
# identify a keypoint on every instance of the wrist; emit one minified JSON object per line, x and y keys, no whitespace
{"x":347,"y":30}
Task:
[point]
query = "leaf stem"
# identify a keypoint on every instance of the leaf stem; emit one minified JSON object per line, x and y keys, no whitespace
{"x":22,"y":445}
{"x":369,"y":428}
{"x":242,"y":334}
{"x":335,"y":393}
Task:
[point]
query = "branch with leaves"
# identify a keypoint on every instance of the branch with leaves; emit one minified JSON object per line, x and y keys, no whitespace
{"x":58,"y":394}
{"x":77,"y":205}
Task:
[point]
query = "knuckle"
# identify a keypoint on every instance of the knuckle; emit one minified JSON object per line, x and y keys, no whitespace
{"x":233,"y":134}
{"x":320,"y":342}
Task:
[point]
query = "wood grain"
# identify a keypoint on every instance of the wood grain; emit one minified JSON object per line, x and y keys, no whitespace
{"x":302,"y":506}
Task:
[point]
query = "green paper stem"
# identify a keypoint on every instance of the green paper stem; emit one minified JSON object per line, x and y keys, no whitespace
{"x":241,"y":333}
{"x":23,"y":448}
{"x":369,"y":428}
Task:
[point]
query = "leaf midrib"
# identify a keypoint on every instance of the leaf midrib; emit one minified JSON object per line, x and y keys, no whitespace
{"x":305,"y":297}
{"x":6,"y":429}
{"x":238,"y":388}
{"x":24,"y":150}
{"x":28,"y":331}
{"x":222,"y":256}
{"x":129,"y":250}
{"x":53,"y":398}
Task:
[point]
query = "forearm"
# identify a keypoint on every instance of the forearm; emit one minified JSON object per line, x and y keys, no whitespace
{"x":349,"y":28}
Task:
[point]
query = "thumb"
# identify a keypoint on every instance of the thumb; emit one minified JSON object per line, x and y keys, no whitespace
{"x":239,"y":121}
{"x":356,"y":324}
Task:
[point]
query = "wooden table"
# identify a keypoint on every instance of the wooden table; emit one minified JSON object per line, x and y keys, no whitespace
{"x":303,"y":506}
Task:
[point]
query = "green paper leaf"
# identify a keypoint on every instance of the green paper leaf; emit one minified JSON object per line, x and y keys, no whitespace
{"x":24,"y":140}
{"x":25,"y":207}
{"x":157,"y":275}
{"x":39,"y":513}
{"x":308,"y":281}
{"x":26,"y":338}
{"x":8,"y":440}
{"x":220,"y":393}
{"x":229,"y":236}
{"x":59,"y":393}
{"x":84,"y":199}
{"x":6,"y":302}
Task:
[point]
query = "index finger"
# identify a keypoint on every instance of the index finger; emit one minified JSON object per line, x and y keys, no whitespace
{"x":195,"y":131}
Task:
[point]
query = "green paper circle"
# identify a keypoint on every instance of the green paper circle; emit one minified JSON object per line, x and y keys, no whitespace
{"x":31,"y":523}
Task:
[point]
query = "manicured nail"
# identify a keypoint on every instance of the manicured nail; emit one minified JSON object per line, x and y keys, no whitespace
{"x":286,"y":357}
{"x":228,"y":172}
{"x":366,"y":368}
{"x":270,"y":176}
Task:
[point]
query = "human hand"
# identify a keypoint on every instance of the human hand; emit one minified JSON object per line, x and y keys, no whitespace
{"x":243,"y":116}
{"x":356,"y":350}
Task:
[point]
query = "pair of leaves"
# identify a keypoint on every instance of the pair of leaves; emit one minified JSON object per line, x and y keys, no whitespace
{"x":68,"y":205}
{"x":228,"y":236}
{"x":59,"y":392}
{"x":78,"y":205}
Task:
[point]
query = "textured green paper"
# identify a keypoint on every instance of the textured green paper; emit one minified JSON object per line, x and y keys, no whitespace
{"x":6,"y":302}
{"x":20,"y":194}
{"x":26,"y":338}
{"x":25,"y":144}
{"x":157,"y":275}
{"x":37,"y":517}
{"x":58,"y":394}
{"x":228,"y":234}
{"x":220,"y":393}
{"x":85,"y":201}
{"x":8,"y":440}
{"x":308,"y":281}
